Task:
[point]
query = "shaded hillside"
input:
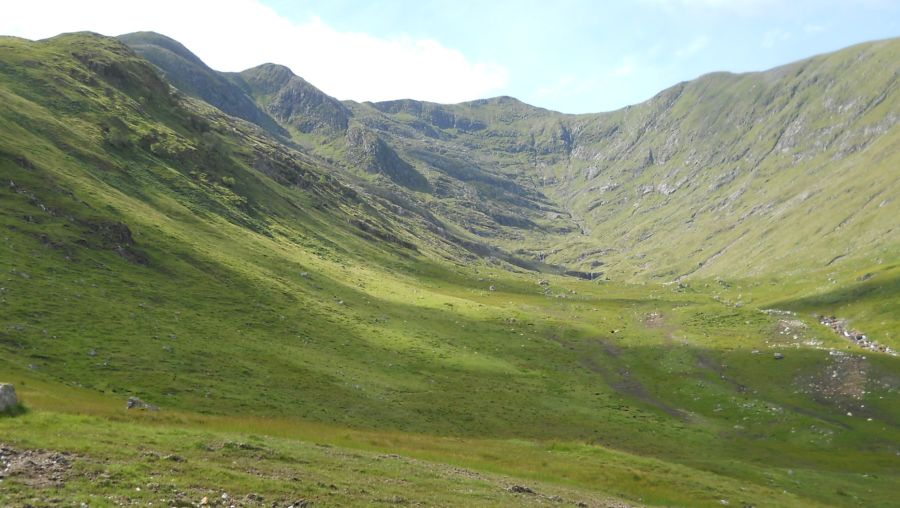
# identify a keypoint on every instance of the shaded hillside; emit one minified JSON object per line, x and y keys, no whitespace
{"x":187,"y":72}
{"x":479,"y":202}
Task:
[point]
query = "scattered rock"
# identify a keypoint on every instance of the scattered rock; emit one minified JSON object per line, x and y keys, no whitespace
{"x":654,"y":320}
{"x":520,"y":489}
{"x":778,"y":312}
{"x":392,"y":500}
{"x":8,"y":398}
{"x":36,"y":468}
{"x":235,"y":445}
{"x":254,"y":497}
{"x":778,"y":356}
{"x":841,"y":382}
{"x":840,"y":326}
{"x":136,"y":403}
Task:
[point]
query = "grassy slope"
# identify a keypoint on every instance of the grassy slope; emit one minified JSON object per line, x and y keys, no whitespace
{"x":375,"y":347}
{"x":119,"y":463}
{"x":774,"y":172}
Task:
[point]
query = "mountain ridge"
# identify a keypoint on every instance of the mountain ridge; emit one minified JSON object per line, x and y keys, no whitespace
{"x":528,"y":173}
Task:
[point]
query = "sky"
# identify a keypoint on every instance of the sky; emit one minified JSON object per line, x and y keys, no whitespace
{"x":575,"y":56}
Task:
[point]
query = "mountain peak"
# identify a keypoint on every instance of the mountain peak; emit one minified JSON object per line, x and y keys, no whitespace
{"x":269,"y":77}
{"x":188,"y":73}
{"x":144,"y":39}
{"x":293,"y":100}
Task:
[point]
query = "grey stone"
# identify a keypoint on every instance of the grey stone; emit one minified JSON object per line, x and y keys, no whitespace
{"x":8,"y":399}
{"x":136,"y":403}
{"x":520,"y":489}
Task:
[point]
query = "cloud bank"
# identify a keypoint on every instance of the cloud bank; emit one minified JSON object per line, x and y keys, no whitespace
{"x":237,"y":34}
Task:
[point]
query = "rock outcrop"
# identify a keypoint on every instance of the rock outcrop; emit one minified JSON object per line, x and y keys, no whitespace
{"x":136,"y":403}
{"x":8,"y":399}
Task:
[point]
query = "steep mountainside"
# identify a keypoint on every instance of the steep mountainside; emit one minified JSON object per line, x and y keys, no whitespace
{"x":292,"y":101}
{"x":792,"y":168}
{"x":475,"y":201}
{"x":725,"y":175}
{"x":187,"y":72}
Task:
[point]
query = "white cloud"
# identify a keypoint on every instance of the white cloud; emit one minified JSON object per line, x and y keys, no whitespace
{"x":718,"y":4}
{"x":694,"y":47}
{"x":655,"y":50}
{"x":232,"y":35}
{"x":558,"y":87}
{"x":742,"y":7}
{"x":768,"y":8}
{"x":774,"y":37}
{"x":813,"y":28}
{"x":627,"y":68}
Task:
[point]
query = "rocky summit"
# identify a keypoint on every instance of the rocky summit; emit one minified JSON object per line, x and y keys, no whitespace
{"x":691,"y":301}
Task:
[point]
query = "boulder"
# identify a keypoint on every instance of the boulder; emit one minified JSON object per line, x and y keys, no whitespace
{"x":8,"y":399}
{"x":136,"y":403}
{"x":520,"y":489}
{"x":778,"y":356}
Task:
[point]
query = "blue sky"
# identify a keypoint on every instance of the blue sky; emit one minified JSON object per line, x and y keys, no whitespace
{"x":583,"y":55}
{"x":568,"y":55}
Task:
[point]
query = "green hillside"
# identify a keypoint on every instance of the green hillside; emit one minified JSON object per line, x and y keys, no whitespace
{"x":367,"y":304}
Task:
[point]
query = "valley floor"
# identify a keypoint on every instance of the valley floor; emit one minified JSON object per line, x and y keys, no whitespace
{"x":691,"y":408}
